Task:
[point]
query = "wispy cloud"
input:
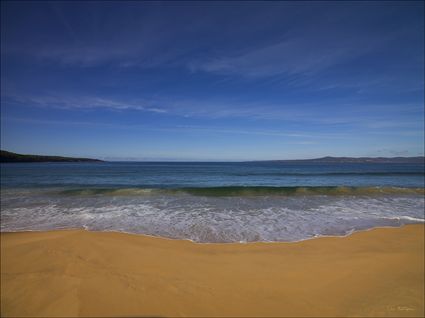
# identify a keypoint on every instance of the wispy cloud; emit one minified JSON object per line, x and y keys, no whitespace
{"x":184,"y":129}
{"x":373,"y":117}
{"x":288,"y":57}
{"x":188,"y":108}
{"x":261,"y":132}
{"x":283,"y":54}
{"x":213,"y":109}
{"x":83,"y":55}
{"x":75,"y":103}
{"x":305,"y":53}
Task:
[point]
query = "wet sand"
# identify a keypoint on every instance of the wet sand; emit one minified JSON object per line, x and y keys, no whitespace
{"x":80,"y":273}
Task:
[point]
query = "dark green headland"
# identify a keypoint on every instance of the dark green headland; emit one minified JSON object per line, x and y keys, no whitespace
{"x":6,"y":156}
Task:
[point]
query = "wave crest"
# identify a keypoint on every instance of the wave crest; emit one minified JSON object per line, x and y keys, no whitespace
{"x":248,"y":191}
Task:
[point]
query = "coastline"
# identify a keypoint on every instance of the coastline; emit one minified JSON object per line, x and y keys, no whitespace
{"x":377,"y":272}
{"x":86,"y":229}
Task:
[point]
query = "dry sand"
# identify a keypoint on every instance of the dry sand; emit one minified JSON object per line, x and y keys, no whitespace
{"x":80,"y":273}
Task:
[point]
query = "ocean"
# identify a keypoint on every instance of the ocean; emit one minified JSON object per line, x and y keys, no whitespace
{"x":212,"y":202}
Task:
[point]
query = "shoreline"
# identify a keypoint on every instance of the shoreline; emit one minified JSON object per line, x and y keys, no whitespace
{"x":421,"y":222}
{"x":373,"y":272}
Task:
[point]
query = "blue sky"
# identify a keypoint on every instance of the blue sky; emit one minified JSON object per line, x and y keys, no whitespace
{"x":212,"y":80}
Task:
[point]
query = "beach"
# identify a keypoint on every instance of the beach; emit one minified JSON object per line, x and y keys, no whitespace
{"x":212,"y":159}
{"x":379,"y":272}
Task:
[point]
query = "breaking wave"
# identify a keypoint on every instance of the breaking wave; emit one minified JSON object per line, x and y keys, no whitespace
{"x":246,"y":191}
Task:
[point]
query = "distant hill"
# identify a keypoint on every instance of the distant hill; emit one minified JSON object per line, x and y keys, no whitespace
{"x":6,"y":156}
{"x":417,"y":160}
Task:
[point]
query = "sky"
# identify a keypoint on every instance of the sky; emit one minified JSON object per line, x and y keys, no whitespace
{"x":212,"y":81}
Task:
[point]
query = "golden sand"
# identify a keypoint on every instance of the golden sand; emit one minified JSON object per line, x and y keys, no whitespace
{"x":80,"y":273}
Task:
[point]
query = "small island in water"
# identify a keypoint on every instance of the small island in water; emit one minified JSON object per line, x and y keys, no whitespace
{"x":6,"y":156}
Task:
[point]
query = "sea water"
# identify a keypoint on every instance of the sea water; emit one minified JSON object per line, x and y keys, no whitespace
{"x":212,"y":202}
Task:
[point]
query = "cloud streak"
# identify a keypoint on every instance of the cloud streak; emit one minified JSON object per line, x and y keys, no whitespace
{"x":182,"y":129}
{"x":308,"y":53}
{"x":80,"y":103}
{"x":370,"y":117}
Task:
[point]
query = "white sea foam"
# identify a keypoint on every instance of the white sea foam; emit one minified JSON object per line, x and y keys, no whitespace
{"x":211,"y":219}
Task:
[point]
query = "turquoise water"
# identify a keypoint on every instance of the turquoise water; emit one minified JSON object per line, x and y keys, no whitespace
{"x":212,"y":202}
